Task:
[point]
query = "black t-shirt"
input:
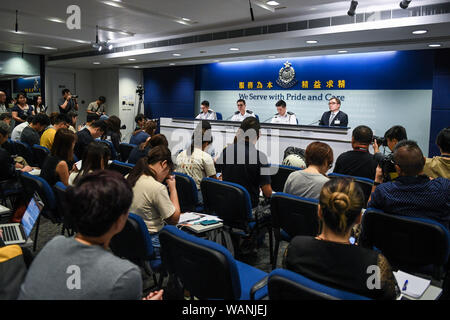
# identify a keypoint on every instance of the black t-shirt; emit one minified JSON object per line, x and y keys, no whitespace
{"x":358,"y":163}
{"x":243,"y":164}
{"x":341,"y":266}
{"x":7,"y":168}
{"x":69,"y":107}
{"x":48,"y":170}
{"x":84,"y":138}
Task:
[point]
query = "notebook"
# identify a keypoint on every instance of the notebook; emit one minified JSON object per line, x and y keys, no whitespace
{"x":415,"y":287}
{"x":18,"y":233}
{"x":193,"y":220}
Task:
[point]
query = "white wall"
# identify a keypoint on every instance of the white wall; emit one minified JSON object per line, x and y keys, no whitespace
{"x":129,"y":79}
{"x":13,"y":63}
{"x":105,"y":82}
{"x":82,"y":86}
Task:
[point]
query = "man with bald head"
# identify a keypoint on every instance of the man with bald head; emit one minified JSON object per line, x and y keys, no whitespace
{"x":412,"y":193}
{"x":3,"y":106}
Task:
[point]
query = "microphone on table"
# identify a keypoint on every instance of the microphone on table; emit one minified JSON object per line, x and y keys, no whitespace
{"x":314,"y":122}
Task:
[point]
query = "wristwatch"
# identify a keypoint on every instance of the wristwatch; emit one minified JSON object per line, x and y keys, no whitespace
{"x":376,"y":183}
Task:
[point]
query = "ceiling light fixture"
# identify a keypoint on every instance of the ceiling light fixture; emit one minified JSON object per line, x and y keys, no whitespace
{"x":185,"y":19}
{"x":272,"y":3}
{"x":352,"y":9}
{"x":251,"y":10}
{"x":216,"y":60}
{"x":176,"y":54}
{"x":234,"y":49}
{"x":271,"y":57}
{"x":434,"y":45}
{"x":96,"y":62}
{"x":99,"y":45}
{"x":311,"y":41}
{"x":419,"y":31}
{"x":342,"y":51}
{"x":113,"y":4}
{"x":57,"y":20}
{"x":17,"y":23}
{"x":404,"y":4}
{"x":171,"y":64}
{"x":131,"y":59}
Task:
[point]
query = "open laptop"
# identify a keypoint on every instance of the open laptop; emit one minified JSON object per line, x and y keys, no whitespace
{"x":18,"y":233}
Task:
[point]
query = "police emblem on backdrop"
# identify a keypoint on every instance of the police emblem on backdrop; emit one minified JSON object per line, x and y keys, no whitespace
{"x":286,"y":76}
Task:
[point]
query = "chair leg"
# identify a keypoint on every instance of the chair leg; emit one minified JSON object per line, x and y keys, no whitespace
{"x":275,"y":253}
{"x":269,"y":229}
{"x":37,"y":233}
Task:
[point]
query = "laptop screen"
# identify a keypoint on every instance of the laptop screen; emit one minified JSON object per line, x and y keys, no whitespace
{"x":30,"y":216}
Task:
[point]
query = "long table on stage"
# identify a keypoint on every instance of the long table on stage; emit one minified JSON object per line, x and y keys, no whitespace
{"x":274,"y":138}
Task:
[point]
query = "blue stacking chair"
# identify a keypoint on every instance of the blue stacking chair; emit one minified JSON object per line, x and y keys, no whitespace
{"x":187,"y":193}
{"x":414,"y":245}
{"x":63,"y":210}
{"x":134,"y":244}
{"x":39,"y":154}
{"x":125,"y":150}
{"x":292,"y":216}
{"x":33,"y":184}
{"x":284,"y":284}
{"x":281,"y":173}
{"x":206,"y":269}
{"x":219,"y":116}
{"x":24,"y":150}
{"x":111,"y":148}
{"x":121,"y":167}
{"x":365,"y":183}
{"x":231,"y":203}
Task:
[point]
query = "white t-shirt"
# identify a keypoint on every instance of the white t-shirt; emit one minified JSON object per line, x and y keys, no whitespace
{"x":152,"y":203}
{"x":198,"y":165}
{"x":17,"y":131}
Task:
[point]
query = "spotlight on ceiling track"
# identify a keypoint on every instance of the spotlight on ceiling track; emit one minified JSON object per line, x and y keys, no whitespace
{"x":353,"y":5}
{"x":404,"y":4}
{"x":251,"y":10}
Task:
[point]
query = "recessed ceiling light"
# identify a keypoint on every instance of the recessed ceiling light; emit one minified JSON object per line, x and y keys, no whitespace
{"x":216,"y":60}
{"x":272,"y":3}
{"x":234,"y":49}
{"x":113,"y":4}
{"x":171,"y":64}
{"x":185,"y":19}
{"x":136,"y":67}
{"x":342,"y":51}
{"x":131,"y":59}
{"x":434,"y":45}
{"x":420,"y":31}
{"x":311,"y":41}
{"x":271,"y":57}
{"x":96,"y":62}
{"x":176,"y":54}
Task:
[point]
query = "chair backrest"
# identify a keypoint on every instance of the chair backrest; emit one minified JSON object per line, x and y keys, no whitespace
{"x":365,"y":183}
{"x":287,"y":285}
{"x":39,"y":154}
{"x":256,"y":116}
{"x":24,"y":150}
{"x":34,"y":184}
{"x":122,"y":167}
{"x":206,"y":269}
{"x":187,"y":192}
{"x":297,"y":216}
{"x":111,"y":148}
{"x":125,"y":150}
{"x":408,"y":243}
{"x":133,"y":242}
{"x":61,"y":204}
{"x":280,"y":175}
{"x":229,"y":201}
{"x":219,"y":116}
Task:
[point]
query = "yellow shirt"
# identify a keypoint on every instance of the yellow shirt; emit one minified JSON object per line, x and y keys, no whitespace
{"x":47,"y":138}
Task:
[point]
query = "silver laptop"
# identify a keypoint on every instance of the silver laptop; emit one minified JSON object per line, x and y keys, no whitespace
{"x":18,"y":233}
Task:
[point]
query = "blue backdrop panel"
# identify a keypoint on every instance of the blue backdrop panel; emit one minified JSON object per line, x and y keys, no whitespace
{"x":169,"y":92}
{"x":382,"y":70}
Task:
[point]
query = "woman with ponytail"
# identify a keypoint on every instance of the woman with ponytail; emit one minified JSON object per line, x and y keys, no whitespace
{"x":330,"y":258}
{"x":151,"y":200}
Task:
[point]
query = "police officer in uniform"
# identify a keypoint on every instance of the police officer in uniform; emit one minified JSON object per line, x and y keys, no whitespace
{"x":241,"y":114}
{"x":283,"y":116}
{"x":207,"y":113}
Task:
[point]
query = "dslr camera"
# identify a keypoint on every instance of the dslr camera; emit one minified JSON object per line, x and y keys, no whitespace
{"x":381,"y":141}
{"x":74,"y":97}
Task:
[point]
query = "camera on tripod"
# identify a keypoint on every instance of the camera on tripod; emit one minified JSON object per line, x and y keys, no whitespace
{"x":381,"y":141}
{"x":140,"y":90}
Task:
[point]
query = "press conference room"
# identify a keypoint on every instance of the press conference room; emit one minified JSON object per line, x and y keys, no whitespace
{"x":242,"y":150}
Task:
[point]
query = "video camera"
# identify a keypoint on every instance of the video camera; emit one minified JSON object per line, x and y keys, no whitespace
{"x":140,"y":90}
{"x":381,"y":141}
{"x":74,"y":97}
